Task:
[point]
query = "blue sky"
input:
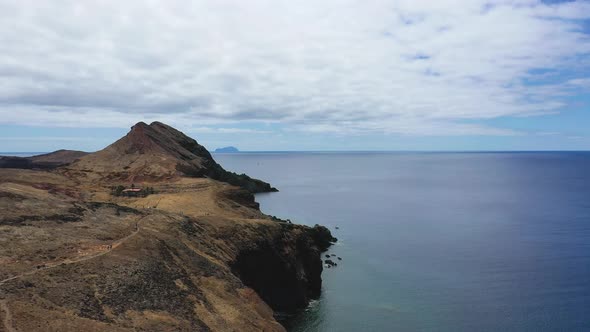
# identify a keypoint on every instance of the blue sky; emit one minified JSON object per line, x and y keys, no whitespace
{"x":284,"y":75}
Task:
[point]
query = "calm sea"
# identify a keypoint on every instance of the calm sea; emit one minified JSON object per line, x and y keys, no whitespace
{"x":440,"y":241}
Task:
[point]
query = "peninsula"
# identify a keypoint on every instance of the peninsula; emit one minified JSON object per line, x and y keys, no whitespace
{"x":148,"y":234}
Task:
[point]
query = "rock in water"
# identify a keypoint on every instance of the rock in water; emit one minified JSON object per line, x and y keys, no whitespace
{"x":330,"y":263}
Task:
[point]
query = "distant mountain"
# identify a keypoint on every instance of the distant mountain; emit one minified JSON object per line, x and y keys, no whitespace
{"x":45,"y":161}
{"x":159,"y":152}
{"x":59,"y":156}
{"x":227,"y":149}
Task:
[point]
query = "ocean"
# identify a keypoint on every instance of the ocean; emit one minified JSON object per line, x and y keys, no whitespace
{"x":440,"y":241}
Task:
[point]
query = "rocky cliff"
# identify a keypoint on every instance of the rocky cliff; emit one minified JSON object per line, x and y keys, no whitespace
{"x":285,"y":267}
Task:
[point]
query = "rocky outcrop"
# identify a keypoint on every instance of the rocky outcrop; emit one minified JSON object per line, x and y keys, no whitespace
{"x":284,"y":269}
{"x":322,"y":237}
{"x":241,"y":197}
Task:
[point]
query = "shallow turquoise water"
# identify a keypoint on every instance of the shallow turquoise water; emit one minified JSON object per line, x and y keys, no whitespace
{"x":440,"y":241}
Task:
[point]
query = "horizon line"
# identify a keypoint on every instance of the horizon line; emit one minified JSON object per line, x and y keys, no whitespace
{"x":4,"y":153}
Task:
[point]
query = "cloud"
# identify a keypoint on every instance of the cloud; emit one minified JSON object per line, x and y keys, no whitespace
{"x":46,"y":138}
{"x":576,"y":137}
{"x":210,"y":130}
{"x":404,"y":67}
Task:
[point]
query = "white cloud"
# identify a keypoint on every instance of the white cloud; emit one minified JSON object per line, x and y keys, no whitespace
{"x":212,"y":130}
{"x":47,"y":138}
{"x":408,"y":67}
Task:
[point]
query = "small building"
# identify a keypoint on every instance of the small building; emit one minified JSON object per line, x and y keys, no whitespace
{"x":132,"y":192}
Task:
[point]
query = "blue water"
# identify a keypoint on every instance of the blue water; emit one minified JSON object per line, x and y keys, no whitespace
{"x":440,"y":241}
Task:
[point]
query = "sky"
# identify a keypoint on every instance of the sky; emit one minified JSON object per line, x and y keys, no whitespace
{"x":298,"y":75}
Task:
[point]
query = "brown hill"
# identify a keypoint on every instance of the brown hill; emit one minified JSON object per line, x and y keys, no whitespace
{"x":43,"y":161}
{"x":62,"y":157}
{"x":159,"y":152}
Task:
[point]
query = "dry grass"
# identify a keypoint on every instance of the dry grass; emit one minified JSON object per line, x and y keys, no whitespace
{"x":83,"y":264}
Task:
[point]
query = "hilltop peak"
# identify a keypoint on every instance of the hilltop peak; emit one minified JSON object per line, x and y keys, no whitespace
{"x":139,"y":139}
{"x":139,"y":127}
{"x":159,"y":124}
{"x":158,"y":152}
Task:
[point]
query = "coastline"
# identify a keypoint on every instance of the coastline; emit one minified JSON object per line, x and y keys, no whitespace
{"x":260,"y":265}
{"x":193,"y":253}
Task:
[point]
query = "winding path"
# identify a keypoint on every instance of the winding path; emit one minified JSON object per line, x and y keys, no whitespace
{"x":7,"y":317}
{"x":4,"y":307}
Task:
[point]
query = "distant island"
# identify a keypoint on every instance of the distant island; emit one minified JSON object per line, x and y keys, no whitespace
{"x":227,"y":149}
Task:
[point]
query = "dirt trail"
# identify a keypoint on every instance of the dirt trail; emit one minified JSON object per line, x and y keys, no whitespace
{"x":7,"y":317}
{"x":73,"y":261}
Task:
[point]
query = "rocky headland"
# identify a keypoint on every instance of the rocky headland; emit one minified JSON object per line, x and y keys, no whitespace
{"x":183,"y":247}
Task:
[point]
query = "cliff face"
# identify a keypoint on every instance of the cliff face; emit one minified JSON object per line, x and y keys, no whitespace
{"x":197,"y":255}
{"x":284,"y":269}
